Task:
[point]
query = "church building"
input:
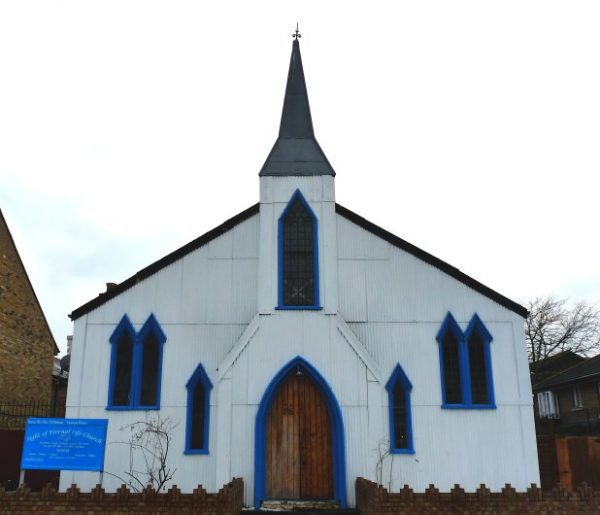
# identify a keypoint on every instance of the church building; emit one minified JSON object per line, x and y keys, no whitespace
{"x":300,"y":346}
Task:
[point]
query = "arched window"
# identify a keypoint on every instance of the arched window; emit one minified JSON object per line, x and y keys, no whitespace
{"x":120,"y":386}
{"x":136,"y":363}
{"x":478,"y":340}
{"x":399,"y":388}
{"x":465,"y":365}
{"x":198,"y":412}
{"x":450,"y":341}
{"x":298,"y":259}
{"x":150,"y":342}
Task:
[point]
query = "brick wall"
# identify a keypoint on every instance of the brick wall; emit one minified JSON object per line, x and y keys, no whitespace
{"x":26,"y":343}
{"x":372,"y":499}
{"x":227,"y":501}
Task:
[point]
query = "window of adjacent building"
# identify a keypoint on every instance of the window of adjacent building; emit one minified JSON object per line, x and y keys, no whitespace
{"x":547,"y":405}
{"x":136,"y":360}
{"x":298,"y":261}
{"x":198,"y":412}
{"x":465,"y":365}
{"x":577,"y":399}
{"x":399,"y":388}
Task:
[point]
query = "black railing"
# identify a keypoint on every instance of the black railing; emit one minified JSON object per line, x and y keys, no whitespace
{"x":577,"y":422}
{"x":14,"y":414}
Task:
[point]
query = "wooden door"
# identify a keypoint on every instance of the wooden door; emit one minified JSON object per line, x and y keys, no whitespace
{"x":299,"y":452}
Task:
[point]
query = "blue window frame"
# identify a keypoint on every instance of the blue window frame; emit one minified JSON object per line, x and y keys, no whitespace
{"x":399,"y":388}
{"x":198,"y":412}
{"x":298,"y":256}
{"x":136,"y":366}
{"x":465,"y":365}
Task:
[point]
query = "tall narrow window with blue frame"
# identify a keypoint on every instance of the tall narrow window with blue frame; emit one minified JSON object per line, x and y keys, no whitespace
{"x":465,"y":365}
{"x":136,"y":366}
{"x":298,"y":256}
{"x":198,"y":412}
{"x":399,"y":388}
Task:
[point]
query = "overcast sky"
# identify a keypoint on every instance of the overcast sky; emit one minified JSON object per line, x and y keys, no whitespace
{"x":469,"y":128}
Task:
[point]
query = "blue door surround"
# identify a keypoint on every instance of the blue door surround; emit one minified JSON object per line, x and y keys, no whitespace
{"x":337,"y":430}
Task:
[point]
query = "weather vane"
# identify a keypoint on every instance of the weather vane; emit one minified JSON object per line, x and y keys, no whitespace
{"x":297,"y":34}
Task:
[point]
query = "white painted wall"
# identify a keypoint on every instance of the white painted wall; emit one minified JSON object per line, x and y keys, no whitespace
{"x":381,"y":306}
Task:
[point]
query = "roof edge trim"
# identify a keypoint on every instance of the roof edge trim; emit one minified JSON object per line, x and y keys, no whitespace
{"x":431,"y":260}
{"x":155,"y":267}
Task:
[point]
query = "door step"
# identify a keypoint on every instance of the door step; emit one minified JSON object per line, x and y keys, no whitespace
{"x":305,"y":506}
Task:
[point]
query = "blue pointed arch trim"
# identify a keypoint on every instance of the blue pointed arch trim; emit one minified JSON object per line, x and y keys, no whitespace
{"x":398,"y":375}
{"x":199,"y":375}
{"x":280,"y":295}
{"x":137,"y":338}
{"x":475,"y":326}
{"x":337,"y":430}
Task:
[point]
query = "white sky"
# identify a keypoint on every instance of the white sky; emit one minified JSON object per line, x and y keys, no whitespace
{"x":469,"y":128}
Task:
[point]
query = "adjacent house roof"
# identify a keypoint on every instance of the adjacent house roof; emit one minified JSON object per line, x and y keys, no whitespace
{"x":296,"y":151}
{"x":342,"y":211}
{"x":554,"y":364}
{"x":587,"y":370}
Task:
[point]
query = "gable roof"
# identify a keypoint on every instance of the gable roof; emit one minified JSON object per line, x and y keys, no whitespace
{"x":432,"y":260}
{"x":342,"y":211}
{"x":586,"y":370}
{"x":9,"y":277}
{"x":163,"y":262}
{"x":554,"y":364}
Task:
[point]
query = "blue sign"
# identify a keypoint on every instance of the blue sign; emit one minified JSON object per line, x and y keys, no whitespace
{"x":64,"y":444}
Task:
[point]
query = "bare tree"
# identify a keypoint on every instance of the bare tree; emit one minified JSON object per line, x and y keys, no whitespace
{"x":554,"y":326}
{"x":149,"y":444}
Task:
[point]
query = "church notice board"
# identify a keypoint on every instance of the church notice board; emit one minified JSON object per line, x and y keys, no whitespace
{"x":64,"y":444}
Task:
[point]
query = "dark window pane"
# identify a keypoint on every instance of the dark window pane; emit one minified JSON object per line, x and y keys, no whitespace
{"x":479,"y":389}
{"x":150,"y":371}
{"x":198,"y":414}
{"x":122,"y":384}
{"x":400,"y":414}
{"x":298,"y":265}
{"x":452,"y":385}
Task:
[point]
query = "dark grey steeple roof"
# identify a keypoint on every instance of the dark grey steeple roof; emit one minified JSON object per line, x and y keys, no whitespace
{"x":296,"y":151}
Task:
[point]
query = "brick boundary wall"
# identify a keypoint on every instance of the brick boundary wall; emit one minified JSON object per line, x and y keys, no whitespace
{"x":228,"y":500}
{"x":372,"y":499}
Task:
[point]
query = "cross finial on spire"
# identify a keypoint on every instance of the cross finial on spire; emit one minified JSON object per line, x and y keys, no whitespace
{"x":297,"y":35}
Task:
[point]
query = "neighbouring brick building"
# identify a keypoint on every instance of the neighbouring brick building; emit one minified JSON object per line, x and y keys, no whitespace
{"x":568,"y":402}
{"x":27,"y":346}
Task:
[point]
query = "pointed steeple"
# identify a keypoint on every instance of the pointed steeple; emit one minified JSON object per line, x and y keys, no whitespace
{"x":296,"y":151}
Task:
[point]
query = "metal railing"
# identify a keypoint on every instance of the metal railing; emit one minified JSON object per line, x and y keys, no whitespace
{"x":14,"y":414}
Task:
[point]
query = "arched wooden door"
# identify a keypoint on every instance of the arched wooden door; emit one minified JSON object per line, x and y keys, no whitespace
{"x":299,"y":461}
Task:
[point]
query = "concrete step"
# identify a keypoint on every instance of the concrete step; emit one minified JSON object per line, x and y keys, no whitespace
{"x":304,"y":507}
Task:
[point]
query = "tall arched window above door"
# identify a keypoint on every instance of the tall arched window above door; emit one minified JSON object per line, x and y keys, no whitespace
{"x":298,"y":256}
{"x":399,"y":388}
{"x":198,"y":412}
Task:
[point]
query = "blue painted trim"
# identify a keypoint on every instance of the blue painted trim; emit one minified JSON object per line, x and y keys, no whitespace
{"x":399,"y":375}
{"x":124,"y":326}
{"x":198,"y":375}
{"x":280,"y":305}
{"x":137,"y":340}
{"x":476,"y":325}
{"x":337,"y":430}
{"x":468,"y":406}
{"x":151,"y":326}
{"x":298,"y":308}
{"x":450,"y":324}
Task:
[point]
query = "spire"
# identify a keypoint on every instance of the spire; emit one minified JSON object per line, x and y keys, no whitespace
{"x":296,"y":151}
